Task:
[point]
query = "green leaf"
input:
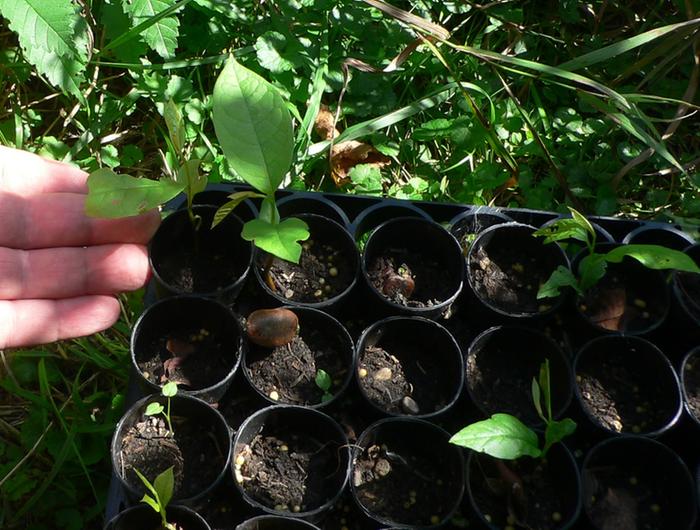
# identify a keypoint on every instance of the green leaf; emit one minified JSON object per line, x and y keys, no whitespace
{"x":169,"y":389}
{"x":545,"y":387}
{"x":62,"y":71}
{"x":253,"y":126}
{"x":367,"y":179}
{"x":147,"y":499}
{"x":236,"y":199}
{"x":112,"y":195}
{"x":164,"y":485}
{"x":562,"y":229}
{"x":537,"y":398}
{"x":149,"y":487}
{"x":501,"y":436}
{"x":557,"y":431}
{"x":269,"y":47}
{"x":654,"y":257}
{"x":176,"y":126}
{"x":323,"y":380}
{"x":153,"y":409}
{"x":191,"y":179}
{"x":278,"y":239}
{"x":561,"y":277}
{"x":591,"y":269}
{"x":162,"y":35}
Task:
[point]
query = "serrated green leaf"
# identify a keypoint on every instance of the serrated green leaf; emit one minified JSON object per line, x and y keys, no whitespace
{"x":323,"y":380}
{"x":153,"y":409}
{"x":654,"y":257}
{"x":253,"y":126}
{"x":236,"y":199}
{"x":280,"y":239}
{"x":169,"y":389}
{"x":63,"y":71}
{"x":161,"y":36}
{"x":561,"y":277}
{"x":112,"y":195}
{"x":501,"y":436}
{"x":164,"y":485}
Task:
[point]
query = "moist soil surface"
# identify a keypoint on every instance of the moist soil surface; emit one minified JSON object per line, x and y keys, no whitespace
{"x":691,"y":382}
{"x":290,"y":370}
{"x":408,"y":384}
{"x":615,"y":305}
{"x":625,"y":399}
{"x":408,"y":279}
{"x":201,"y":272}
{"x":151,"y":448}
{"x":194,"y":359}
{"x":323,"y":272}
{"x":288,"y":473}
{"x":623,"y":500}
{"x":540,"y":504}
{"x":404,"y":487}
{"x":509,"y":280}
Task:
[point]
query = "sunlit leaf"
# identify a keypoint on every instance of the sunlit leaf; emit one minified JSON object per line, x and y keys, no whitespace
{"x":279,"y":239}
{"x":501,"y":436}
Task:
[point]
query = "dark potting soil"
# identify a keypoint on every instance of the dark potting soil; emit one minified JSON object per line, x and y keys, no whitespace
{"x":538,"y":505}
{"x":287,"y":474}
{"x":691,"y":382}
{"x":408,"y":279}
{"x":625,"y":500}
{"x":408,"y":384}
{"x":191,"y":271}
{"x":322,"y":273}
{"x":615,"y":305}
{"x":290,"y":370}
{"x":509,"y":280}
{"x":404,"y":487}
{"x":192,"y":358}
{"x":151,"y":448}
{"x":623,"y":397}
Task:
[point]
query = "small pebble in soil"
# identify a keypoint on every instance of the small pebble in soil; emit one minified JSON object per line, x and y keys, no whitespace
{"x":556,"y":517}
{"x":284,"y":448}
{"x":383,"y":374}
{"x":362,"y":372}
{"x":240,"y":460}
{"x":641,"y":304}
{"x":333,"y":272}
{"x":382,"y":467}
{"x":274,"y":396}
{"x":296,"y":508}
{"x":409,"y":405}
{"x":288,"y":293}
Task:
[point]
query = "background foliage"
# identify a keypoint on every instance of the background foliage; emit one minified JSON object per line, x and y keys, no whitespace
{"x":530,"y":103}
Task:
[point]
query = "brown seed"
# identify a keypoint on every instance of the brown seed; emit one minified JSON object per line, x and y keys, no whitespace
{"x":270,"y":328}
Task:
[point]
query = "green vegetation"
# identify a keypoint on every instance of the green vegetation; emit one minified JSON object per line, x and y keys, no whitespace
{"x":506,"y":437}
{"x":548,"y":105}
{"x":593,"y":265}
{"x":324,"y":383}
{"x":154,"y":408}
{"x":161,"y":493}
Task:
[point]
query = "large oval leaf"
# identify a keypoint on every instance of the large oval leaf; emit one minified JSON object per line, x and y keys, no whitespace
{"x":112,"y":195}
{"x":253,"y":126}
{"x":501,"y":436}
{"x":654,"y":257}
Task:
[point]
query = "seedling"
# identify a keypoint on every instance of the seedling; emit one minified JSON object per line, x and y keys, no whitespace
{"x":154,"y":408}
{"x":161,"y":493}
{"x":594,"y":265}
{"x":505,"y":437}
{"x":324,"y":382}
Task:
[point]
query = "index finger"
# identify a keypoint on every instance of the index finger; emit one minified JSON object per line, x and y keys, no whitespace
{"x":25,"y":173}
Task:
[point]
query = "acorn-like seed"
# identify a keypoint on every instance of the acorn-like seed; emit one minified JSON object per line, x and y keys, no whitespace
{"x":271,"y":328}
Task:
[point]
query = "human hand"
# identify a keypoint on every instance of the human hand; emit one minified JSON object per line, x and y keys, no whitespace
{"x":59,"y":269}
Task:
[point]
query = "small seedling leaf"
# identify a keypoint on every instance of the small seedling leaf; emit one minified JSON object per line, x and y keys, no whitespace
{"x":561,"y":277}
{"x":164,"y":485}
{"x":155,"y":499}
{"x":323,"y":380}
{"x":154,"y":408}
{"x":557,"y":431}
{"x":253,"y":126}
{"x":236,"y":199}
{"x":278,"y":239}
{"x":501,"y":436}
{"x":536,"y":398}
{"x":326,"y":397}
{"x":169,"y":389}
{"x":191,"y":179}
{"x":586,"y":224}
{"x":111,"y":195}
{"x":175,"y":124}
{"x":147,"y":499}
{"x":654,"y":257}
{"x":563,"y":229}
{"x":591,"y":269}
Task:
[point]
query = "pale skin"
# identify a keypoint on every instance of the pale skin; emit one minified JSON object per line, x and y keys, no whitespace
{"x":59,"y":269}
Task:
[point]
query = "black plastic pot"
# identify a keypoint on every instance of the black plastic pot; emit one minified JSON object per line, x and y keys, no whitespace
{"x":551,"y":487}
{"x":493,"y":251}
{"x":636,"y":482}
{"x":431,"y":254}
{"x":642,"y":287}
{"x":143,"y":517}
{"x":273,"y":522}
{"x":466,"y":225}
{"x":190,"y":415}
{"x":687,"y":305}
{"x":181,"y":257}
{"x":285,"y":423}
{"x":295,"y":205}
{"x":521,"y":351}
{"x":401,"y":466}
{"x":618,"y":366}
{"x":666,"y":236}
{"x":574,"y":247}
{"x":371,"y":217}
{"x":324,"y":232}
{"x":431,"y":366}
{"x":191,"y":321}
{"x":690,"y":384}
{"x":318,"y":330}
